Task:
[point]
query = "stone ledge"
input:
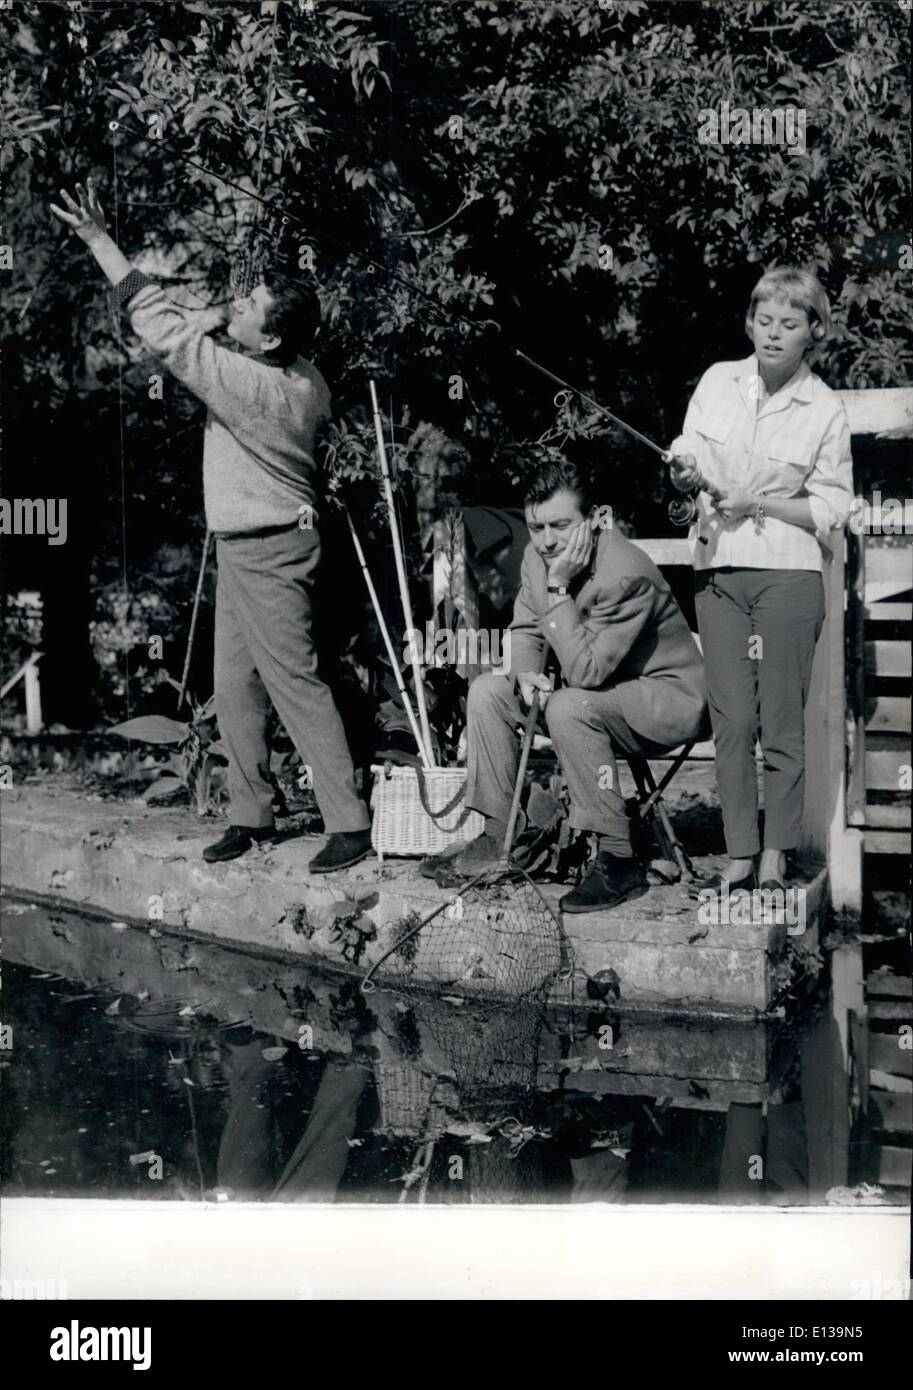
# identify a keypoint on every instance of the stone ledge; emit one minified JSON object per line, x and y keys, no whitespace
{"x":114,"y":856}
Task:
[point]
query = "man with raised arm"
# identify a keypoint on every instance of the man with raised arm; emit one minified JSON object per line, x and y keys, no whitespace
{"x":264,"y":405}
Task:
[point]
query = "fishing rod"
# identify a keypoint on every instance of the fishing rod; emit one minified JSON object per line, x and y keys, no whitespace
{"x":682,"y":510}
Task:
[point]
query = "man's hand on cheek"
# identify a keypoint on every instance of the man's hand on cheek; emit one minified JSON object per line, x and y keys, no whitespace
{"x":575,"y":556}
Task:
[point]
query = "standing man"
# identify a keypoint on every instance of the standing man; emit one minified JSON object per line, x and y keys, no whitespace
{"x":264,"y":406}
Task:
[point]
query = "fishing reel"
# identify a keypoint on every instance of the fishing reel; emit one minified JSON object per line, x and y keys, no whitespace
{"x":683,"y":510}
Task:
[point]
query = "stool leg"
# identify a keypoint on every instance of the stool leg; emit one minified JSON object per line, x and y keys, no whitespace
{"x":657,"y":807}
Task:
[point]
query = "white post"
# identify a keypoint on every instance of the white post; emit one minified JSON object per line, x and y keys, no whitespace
{"x":33,"y":720}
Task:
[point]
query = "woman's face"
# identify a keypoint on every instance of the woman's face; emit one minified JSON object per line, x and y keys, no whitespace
{"x":780,"y":334}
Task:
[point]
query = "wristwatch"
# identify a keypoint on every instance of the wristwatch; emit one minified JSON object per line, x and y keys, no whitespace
{"x":559,"y":589}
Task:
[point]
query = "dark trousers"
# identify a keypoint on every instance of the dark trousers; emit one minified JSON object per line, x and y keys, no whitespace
{"x":759,"y":689}
{"x":265,"y":653}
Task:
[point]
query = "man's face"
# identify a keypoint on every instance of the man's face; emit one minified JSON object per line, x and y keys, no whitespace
{"x":780,"y":334}
{"x":551,"y":522}
{"x":248,"y":316}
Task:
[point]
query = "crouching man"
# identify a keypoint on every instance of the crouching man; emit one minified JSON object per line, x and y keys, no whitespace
{"x":632,"y":681}
{"x":265,"y":403}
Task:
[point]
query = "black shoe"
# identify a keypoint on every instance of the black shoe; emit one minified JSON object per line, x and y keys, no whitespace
{"x":717,"y":882}
{"x":343,"y":849}
{"x":610,"y":882}
{"x":236,"y":841}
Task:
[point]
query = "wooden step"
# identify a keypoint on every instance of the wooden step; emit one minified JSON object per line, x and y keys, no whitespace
{"x":888,"y":659}
{"x":894,"y":1166}
{"x":890,"y":1112}
{"x":886,"y":1054}
{"x":894,"y":817}
{"x":886,"y":983}
{"x":888,"y":714}
{"x":899,"y":1010}
{"x":886,"y":842}
{"x":885,"y":757}
{"x":888,"y":612}
{"x":888,"y":570}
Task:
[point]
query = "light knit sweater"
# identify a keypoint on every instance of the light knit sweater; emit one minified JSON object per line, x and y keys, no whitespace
{"x":258,"y":444}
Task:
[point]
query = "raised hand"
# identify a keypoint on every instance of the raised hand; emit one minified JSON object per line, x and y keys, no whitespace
{"x":84,"y":217}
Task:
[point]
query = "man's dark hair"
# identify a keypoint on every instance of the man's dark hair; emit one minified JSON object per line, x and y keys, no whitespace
{"x":294,"y":315}
{"x":547,"y":471}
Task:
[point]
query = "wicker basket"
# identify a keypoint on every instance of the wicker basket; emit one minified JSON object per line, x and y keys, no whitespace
{"x":403,"y":826}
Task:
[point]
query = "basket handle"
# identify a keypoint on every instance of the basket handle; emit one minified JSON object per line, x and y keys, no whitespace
{"x":410,"y":760}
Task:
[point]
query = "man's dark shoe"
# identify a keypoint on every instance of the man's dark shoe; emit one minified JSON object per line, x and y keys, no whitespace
{"x":236,"y":841}
{"x":342,"y":849}
{"x":609,"y":882}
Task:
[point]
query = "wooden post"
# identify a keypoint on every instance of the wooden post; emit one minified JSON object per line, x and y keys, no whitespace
{"x":33,"y":720}
{"x":855,"y":687}
{"x":826,"y":838}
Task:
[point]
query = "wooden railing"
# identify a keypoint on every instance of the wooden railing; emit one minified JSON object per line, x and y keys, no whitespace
{"x":28,"y":674}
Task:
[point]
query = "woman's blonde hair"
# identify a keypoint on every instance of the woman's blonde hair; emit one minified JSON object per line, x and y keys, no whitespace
{"x":802,"y":289}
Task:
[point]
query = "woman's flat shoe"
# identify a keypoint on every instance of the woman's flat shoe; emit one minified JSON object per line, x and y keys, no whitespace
{"x":715,"y":884}
{"x":773,"y":885}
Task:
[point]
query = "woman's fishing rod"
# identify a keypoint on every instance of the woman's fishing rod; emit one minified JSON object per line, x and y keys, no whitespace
{"x":682,"y":510}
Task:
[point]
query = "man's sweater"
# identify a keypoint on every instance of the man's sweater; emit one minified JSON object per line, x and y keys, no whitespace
{"x":258,"y":445}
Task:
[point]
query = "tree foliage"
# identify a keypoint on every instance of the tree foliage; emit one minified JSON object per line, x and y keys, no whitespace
{"x":454,"y":173}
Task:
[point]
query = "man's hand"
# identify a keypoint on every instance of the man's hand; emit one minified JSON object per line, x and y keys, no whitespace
{"x":685,"y":472}
{"x":528,"y":681}
{"x":84,"y":217}
{"x":735,"y":505}
{"x":574,"y":557}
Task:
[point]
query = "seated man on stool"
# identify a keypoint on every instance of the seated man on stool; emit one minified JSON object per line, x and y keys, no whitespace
{"x":632,"y":680}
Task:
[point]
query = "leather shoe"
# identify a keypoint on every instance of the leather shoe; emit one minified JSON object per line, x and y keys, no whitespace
{"x":609,"y":882}
{"x":343,"y":849}
{"x":733,"y":885}
{"x":236,"y":841}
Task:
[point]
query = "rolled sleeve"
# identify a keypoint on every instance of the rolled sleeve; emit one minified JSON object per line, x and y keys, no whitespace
{"x":830,"y":483}
{"x":129,"y":288}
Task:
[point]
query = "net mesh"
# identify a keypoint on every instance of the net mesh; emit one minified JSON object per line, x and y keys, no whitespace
{"x":474,"y":979}
{"x":496,"y":938}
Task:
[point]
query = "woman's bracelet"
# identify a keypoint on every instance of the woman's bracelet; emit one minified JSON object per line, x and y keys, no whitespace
{"x":758,"y":515}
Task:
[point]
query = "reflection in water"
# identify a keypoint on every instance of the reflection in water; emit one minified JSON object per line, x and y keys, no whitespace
{"x":159,"y":1067}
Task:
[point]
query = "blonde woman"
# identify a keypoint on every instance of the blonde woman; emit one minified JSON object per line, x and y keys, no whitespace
{"x":774,"y":439}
